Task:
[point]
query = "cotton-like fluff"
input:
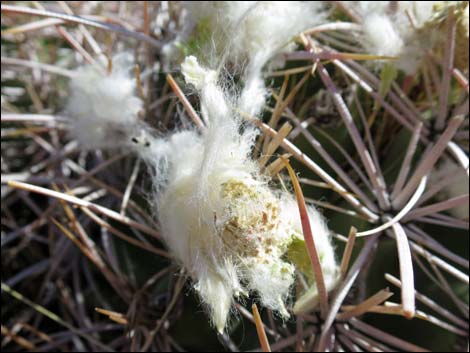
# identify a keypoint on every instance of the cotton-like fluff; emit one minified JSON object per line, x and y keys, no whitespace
{"x":456,"y":185}
{"x":245,"y":35}
{"x":377,"y":27}
{"x":265,"y":28}
{"x":259,"y":30}
{"x":245,"y":30}
{"x":404,"y":29}
{"x":218,"y":215}
{"x":103,"y":107}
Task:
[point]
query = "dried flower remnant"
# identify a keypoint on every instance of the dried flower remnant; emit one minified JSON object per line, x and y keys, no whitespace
{"x":103,"y":106}
{"x":228,"y":228}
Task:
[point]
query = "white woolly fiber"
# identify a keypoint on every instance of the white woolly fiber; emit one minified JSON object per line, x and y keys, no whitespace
{"x":218,"y":216}
{"x":382,"y":35}
{"x":260,"y":30}
{"x":247,"y":34}
{"x":264,"y":28}
{"x":389,"y":30}
{"x":103,"y":108}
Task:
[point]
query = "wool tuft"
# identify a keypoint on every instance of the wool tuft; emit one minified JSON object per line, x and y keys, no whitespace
{"x":244,"y":35}
{"x":407,"y":29}
{"x":103,"y":107}
{"x":218,"y":215}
